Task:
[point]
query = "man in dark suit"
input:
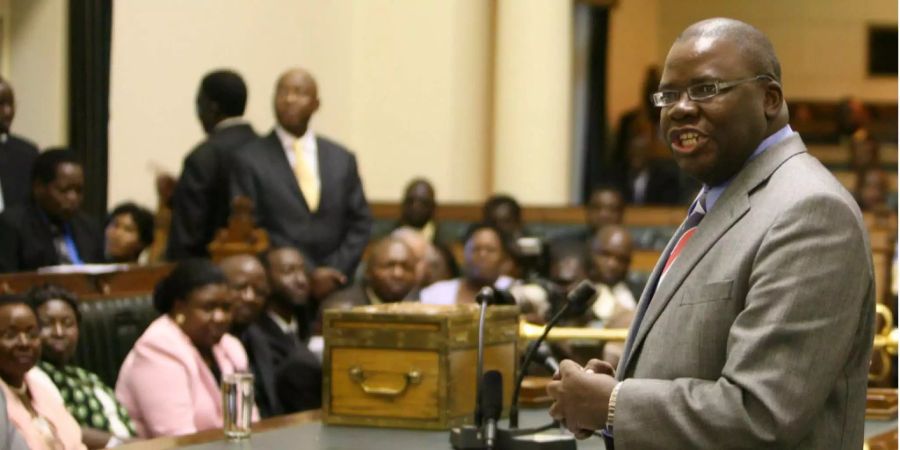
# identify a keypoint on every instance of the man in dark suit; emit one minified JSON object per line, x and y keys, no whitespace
{"x":390,"y":277}
{"x":418,"y":208}
{"x":200,"y":204}
{"x":16,"y":154}
{"x":305,"y":189}
{"x":249,"y":283}
{"x":283,"y":331}
{"x":755,"y":327}
{"x":50,"y":229}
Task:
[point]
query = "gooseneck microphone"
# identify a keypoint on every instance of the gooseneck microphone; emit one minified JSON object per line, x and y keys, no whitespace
{"x":582,"y":294}
{"x":485,"y":297}
{"x":491,"y":405}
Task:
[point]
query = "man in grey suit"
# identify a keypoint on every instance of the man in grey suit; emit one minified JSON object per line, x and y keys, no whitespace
{"x":305,"y":188}
{"x":755,"y":328}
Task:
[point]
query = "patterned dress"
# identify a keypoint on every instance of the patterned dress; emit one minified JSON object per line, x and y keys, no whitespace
{"x":91,"y":403}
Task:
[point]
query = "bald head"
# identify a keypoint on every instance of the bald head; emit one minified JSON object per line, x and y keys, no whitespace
{"x":417,"y":243}
{"x":755,"y":47}
{"x":611,"y":250}
{"x":296,"y":100}
{"x":391,"y":269}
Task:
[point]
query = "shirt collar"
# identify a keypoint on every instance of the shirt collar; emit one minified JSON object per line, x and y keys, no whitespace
{"x":288,"y":327}
{"x":230,"y":122}
{"x":287,"y":138}
{"x":713,"y":193}
{"x":373,"y":297}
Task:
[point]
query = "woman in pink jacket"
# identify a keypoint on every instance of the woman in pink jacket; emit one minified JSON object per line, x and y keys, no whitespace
{"x":169,"y":383}
{"x":37,"y":413}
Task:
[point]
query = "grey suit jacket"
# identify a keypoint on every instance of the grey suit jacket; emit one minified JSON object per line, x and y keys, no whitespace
{"x":337,"y":233}
{"x":760,"y":334}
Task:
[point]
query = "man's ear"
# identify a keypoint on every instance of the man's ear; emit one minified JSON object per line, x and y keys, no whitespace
{"x":774,"y":100}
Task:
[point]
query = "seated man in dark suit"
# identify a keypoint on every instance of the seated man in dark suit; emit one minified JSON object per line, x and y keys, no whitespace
{"x":247,"y":280}
{"x":16,"y":154}
{"x":390,"y":277}
{"x":200,"y":203}
{"x":50,"y":229}
{"x":305,"y":188}
{"x":285,"y":328}
{"x":418,"y":208}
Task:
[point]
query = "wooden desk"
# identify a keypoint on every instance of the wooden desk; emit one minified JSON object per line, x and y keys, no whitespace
{"x":304,"y":430}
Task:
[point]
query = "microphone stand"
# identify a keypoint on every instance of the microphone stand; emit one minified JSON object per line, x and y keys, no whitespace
{"x":581,"y":294}
{"x":470,"y":436}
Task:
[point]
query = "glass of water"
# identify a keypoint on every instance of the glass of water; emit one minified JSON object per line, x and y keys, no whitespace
{"x":237,"y":404}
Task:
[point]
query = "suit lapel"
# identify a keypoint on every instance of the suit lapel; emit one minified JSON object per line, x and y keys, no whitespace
{"x":728,"y":210}
{"x":326,"y":168}
{"x":281,"y":165}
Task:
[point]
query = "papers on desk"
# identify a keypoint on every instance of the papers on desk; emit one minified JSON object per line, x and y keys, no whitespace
{"x":90,"y":269}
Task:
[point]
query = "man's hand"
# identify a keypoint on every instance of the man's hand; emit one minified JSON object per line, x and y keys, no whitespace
{"x":324,"y":281}
{"x":581,"y":396}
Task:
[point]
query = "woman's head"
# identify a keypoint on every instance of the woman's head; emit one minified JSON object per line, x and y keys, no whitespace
{"x":129,"y":230}
{"x":196,"y":296}
{"x":485,"y":252}
{"x":58,"y":319}
{"x":20,"y":342}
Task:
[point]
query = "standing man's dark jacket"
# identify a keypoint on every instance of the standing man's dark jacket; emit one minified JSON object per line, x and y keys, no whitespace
{"x":16,"y":159}
{"x":26,"y":239}
{"x":336,"y":234}
{"x":201,"y":202}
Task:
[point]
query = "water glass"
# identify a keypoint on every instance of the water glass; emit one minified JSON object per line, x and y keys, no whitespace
{"x":237,"y":404}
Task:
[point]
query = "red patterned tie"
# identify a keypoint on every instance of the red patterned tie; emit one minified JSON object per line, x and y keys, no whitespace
{"x":690,"y":227}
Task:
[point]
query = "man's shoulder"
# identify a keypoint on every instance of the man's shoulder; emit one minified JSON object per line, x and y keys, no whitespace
{"x":248,"y":152}
{"x":16,"y":216}
{"x":233,"y":136}
{"x":352,"y":295}
{"x":328,"y":145}
{"x":21,"y":145}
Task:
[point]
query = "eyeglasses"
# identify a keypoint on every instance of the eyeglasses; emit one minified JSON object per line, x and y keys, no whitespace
{"x":700,"y":92}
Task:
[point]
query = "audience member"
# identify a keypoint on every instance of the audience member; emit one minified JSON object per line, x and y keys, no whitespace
{"x":872,"y":189}
{"x":605,"y":206}
{"x":418,"y":245}
{"x":33,"y":408}
{"x":484,"y":255}
{"x":418,"y":208}
{"x":853,"y":116}
{"x":104,"y":421}
{"x":129,"y":231}
{"x":305,"y":188}
{"x":570,"y":264}
{"x":50,"y":229}
{"x":651,"y":180}
{"x":390,"y":277}
{"x":641,"y":120}
{"x":16,"y":154}
{"x":247,"y":279}
{"x":504,"y":213}
{"x":611,"y":249}
{"x":441,"y":264}
{"x":864,"y":151}
{"x":169,"y":382}
{"x":284,"y":329}
{"x":201,"y":200}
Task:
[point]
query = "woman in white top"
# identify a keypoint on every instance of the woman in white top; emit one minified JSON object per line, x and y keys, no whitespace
{"x":484,"y":256}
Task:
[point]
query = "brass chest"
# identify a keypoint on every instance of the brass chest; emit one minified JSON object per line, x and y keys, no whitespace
{"x":409,"y":365}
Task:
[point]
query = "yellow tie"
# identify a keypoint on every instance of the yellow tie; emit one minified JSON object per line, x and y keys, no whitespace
{"x":306,"y":177}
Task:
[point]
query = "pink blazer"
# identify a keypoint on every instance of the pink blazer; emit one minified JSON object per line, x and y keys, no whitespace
{"x":166,"y":386}
{"x":46,"y":404}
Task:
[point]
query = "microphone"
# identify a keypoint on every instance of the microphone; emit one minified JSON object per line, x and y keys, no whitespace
{"x":491,"y":405}
{"x":544,"y":355}
{"x":579,"y":296}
